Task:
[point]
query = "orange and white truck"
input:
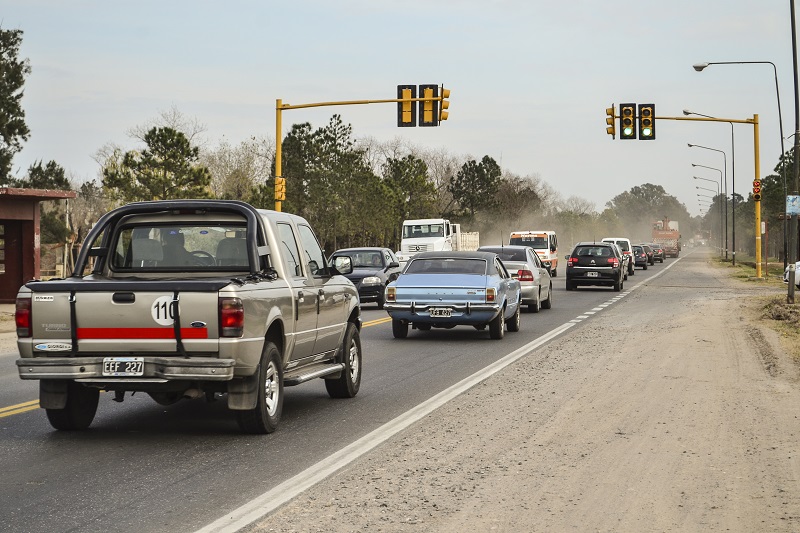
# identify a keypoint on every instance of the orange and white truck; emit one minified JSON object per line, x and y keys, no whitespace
{"x":667,"y":234}
{"x":544,"y":243}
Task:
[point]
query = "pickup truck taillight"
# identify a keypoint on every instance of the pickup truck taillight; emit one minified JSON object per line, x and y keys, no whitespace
{"x":231,"y":317}
{"x":22,"y":316}
{"x":525,"y":275}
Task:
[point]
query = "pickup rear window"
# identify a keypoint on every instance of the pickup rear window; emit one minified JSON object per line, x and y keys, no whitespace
{"x":185,"y":246}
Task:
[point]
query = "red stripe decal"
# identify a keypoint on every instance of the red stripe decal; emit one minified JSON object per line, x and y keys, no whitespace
{"x":141,"y":333}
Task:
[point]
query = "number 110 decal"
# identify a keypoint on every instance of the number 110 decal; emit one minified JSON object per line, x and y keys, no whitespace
{"x":162,"y":311}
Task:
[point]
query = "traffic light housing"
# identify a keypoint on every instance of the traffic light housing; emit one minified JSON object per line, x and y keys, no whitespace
{"x":627,"y":118}
{"x":429,"y":108}
{"x":647,"y":122}
{"x":280,"y":189}
{"x":611,"y":127}
{"x":444,"y":104}
{"x":757,"y":190}
{"x":407,"y":109}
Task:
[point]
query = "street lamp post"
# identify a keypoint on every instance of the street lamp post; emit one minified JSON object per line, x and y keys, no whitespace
{"x":716,"y":199}
{"x":699,"y":68}
{"x":733,"y":185}
{"x":725,"y":169}
{"x":721,"y":205}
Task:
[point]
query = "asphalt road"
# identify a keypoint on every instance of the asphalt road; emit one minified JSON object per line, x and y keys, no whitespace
{"x":146,"y":467}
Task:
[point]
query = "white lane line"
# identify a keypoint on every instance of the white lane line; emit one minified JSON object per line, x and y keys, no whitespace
{"x":292,"y":487}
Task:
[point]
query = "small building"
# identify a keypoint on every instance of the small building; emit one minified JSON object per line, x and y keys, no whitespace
{"x":20,"y":237}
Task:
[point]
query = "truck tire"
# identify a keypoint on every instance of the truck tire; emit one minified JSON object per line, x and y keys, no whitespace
{"x":514,"y":323}
{"x":497,"y":327}
{"x":79,"y":410}
{"x":399,"y":329}
{"x":347,"y":385}
{"x":269,"y":402}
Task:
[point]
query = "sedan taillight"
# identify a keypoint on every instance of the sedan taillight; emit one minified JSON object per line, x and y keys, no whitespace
{"x":491,"y":295}
{"x":22,"y":316}
{"x":231,"y":317}
{"x":525,"y":275}
{"x":391,"y":294}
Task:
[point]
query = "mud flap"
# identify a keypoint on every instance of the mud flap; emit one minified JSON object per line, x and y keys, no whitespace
{"x":53,"y":393}
{"x":243,"y":392}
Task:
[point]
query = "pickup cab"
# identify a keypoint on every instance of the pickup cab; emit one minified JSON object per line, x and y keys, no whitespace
{"x":191,"y":299}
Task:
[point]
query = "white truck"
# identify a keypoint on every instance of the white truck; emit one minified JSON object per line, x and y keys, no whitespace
{"x":544,"y":242}
{"x":434,"y":234}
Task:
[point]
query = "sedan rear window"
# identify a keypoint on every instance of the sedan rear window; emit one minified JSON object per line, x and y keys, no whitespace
{"x":447,"y":266}
{"x":594,"y":251}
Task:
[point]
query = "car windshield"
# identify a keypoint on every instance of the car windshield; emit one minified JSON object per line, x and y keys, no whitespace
{"x":421,"y":231}
{"x":534,"y":241}
{"x":446,"y":266}
{"x":364,"y":259}
{"x":593,"y":251}
{"x":190,"y":247}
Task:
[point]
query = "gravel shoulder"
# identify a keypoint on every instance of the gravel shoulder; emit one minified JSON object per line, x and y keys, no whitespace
{"x":691,"y":424}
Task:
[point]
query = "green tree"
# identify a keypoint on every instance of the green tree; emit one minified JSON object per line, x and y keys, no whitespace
{"x":167,"y":169}
{"x":13,"y":129}
{"x":413,"y":191}
{"x":475,"y":185}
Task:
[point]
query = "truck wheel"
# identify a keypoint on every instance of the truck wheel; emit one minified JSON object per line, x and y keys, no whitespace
{"x":79,"y":411}
{"x":514,"y":323}
{"x":347,"y":385}
{"x":497,"y":327}
{"x":399,"y":329}
{"x":548,"y":304}
{"x":269,"y":403}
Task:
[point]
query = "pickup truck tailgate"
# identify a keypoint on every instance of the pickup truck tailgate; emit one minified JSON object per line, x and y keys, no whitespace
{"x":125,"y":321}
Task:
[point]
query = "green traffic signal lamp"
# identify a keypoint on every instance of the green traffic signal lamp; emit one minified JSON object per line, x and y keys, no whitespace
{"x":647,"y":122}
{"x":627,"y":114}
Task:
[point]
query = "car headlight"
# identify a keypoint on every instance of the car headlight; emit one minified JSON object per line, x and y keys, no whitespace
{"x":371,"y":280}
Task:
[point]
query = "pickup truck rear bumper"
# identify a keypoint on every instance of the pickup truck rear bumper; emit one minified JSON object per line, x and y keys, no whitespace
{"x":158,"y":369}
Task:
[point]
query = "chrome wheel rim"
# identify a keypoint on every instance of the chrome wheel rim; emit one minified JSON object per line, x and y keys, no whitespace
{"x":271,"y":390}
{"x":355,"y":365}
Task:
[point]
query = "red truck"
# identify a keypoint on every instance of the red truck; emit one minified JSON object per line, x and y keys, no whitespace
{"x":666,"y":233}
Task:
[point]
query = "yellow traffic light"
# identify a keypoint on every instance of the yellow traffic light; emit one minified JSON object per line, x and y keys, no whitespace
{"x":429,"y":111}
{"x":647,"y":122}
{"x":444,"y":105}
{"x":407,"y":109}
{"x":627,"y":114}
{"x":280,"y":189}
{"x":611,"y":127}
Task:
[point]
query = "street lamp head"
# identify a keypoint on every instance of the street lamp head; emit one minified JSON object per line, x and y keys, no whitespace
{"x":687,"y":112}
{"x":694,"y":165}
{"x":699,"y":66}
{"x":689,"y":145}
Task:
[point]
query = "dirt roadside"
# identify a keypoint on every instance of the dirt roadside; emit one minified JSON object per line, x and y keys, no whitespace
{"x":689,"y":424}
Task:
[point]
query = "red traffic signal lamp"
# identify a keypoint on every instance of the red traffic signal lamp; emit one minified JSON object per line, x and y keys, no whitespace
{"x":757,"y":190}
{"x":407,"y":109}
{"x":627,"y":116}
{"x":647,"y":122}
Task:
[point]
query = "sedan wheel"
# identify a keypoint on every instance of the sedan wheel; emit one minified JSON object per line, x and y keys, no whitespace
{"x":548,"y":303}
{"x":399,"y":329}
{"x":514,"y":324}
{"x":497,"y":327}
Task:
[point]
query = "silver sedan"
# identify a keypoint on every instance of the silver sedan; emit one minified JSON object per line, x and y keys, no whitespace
{"x":534,"y":278}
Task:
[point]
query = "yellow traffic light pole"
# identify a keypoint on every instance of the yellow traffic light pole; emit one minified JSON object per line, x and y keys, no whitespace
{"x":754,"y":122}
{"x":280,"y":107}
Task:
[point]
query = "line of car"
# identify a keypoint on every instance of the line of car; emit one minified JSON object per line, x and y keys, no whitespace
{"x":487,"y":288}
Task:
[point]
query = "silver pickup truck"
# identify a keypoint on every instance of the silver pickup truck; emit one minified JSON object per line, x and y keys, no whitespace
{"x":190,"y":299}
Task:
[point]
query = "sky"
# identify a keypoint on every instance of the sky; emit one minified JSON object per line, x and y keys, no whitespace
{"x":530,"y":80}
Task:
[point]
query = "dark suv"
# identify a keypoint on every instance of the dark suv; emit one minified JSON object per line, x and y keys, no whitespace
{"x":595,"y":263}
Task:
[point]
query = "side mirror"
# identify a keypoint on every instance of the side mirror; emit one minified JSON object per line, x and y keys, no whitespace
{"x":566,"y":257}
{"x":552,"y":248}
{"x":343,"y":264}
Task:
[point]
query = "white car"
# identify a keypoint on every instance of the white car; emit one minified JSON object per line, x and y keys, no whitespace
{"x":796,"y":274}
{"x":627,"y":252}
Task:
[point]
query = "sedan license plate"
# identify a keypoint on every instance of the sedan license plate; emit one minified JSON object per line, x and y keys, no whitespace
{"x":440,"y":312}
{"x":123,"y":366}
{"x":592,"y":274}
